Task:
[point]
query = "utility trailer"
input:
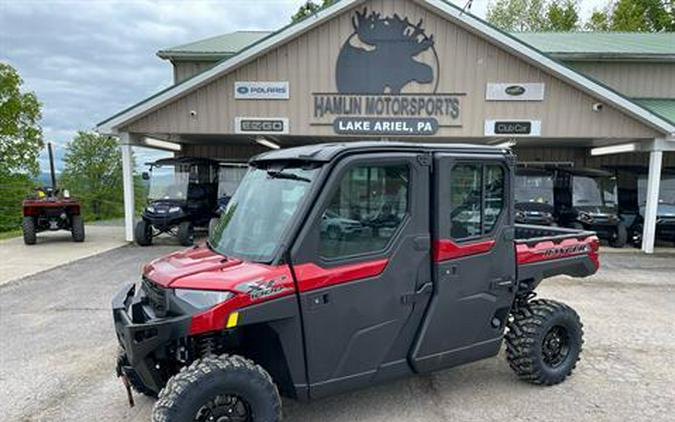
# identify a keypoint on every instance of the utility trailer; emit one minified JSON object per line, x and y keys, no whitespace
{"x":273,"y":304}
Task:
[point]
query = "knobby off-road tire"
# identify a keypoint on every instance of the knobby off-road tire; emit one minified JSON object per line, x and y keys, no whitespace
{"x":77,"y":228}
{"x":28,"y":227}
{"x":135,"y":382}
{"x":531,"y":342}
{"x":212,"y":385}
{"x":186,"y":233}
{"x":143,"y":233}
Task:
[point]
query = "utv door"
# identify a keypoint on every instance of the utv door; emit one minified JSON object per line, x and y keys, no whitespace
{"x":359,"y":261}
{"x":474,"y":262}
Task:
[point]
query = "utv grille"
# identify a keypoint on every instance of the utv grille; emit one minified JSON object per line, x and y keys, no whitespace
{"x":156,"y":297}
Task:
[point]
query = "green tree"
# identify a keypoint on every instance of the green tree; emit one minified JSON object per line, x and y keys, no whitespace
{"x":562,"y":15}
{"x":20,"y":145}
{"x":310,"y":8}
{"x":20,"y":132}
{"x":518,"y":15}
{"x":635,"y":16}
{"x":93,"y":174}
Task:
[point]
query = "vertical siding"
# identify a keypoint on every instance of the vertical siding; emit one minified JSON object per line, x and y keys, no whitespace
{"x":186,"y":70}
{"x":633,"y":79}
{"x":467,"y":64}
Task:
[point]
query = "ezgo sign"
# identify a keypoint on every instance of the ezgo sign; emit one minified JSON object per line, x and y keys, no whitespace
{"x":261,"y":91}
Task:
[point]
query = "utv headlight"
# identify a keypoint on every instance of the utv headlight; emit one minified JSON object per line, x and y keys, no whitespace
{"x":174,"y":209}
{"x":150,"y":209}
{"x":203,"y":299}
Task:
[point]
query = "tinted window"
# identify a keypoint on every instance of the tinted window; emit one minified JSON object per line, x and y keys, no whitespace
{"x":466,"y":184}
{"x":477,"y":199}
{"x":365,"y":212}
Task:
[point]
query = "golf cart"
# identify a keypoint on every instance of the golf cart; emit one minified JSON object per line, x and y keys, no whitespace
{"x":587,"y":199}
{"x":182,"y":196}
{"x":50,"y":209}
{"x":632,"y":194}
{"x":229,"y":178}
{"x":534,"y":196}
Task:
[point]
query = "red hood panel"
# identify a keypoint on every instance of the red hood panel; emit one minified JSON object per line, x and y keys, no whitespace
{"x":201,"y":268}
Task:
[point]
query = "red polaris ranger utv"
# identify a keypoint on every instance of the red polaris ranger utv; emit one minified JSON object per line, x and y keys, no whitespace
{"x":427,"y":271}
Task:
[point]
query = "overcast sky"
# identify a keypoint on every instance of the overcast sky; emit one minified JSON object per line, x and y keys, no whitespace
{"x":88,"y":59}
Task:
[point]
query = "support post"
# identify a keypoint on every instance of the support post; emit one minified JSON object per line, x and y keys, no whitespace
{"x":653,"y":186}
{"x":128,"y":182}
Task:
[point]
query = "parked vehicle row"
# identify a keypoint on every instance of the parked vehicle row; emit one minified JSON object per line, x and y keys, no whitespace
{"x":610,"y":202}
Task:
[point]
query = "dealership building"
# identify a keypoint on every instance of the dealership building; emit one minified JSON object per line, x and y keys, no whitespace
{"x":418,"y":71}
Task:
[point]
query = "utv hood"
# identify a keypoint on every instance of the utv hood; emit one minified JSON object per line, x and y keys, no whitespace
{"x":202,"y":269}
{"x":597,"y":210}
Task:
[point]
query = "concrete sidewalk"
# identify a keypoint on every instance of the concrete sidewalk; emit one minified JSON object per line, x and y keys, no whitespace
{"x":54,"y":249}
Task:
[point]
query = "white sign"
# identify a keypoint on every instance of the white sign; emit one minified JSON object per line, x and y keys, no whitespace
{"x":512,"y":128}
{"x":261,"y":125}
{"x":514,"y":92}
{"x":261,"y":91}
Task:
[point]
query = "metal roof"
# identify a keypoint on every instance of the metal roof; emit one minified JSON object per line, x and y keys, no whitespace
{"x":598,"y":45}
{"x":664,"y":107}
{"x":327,"y":152}
{"x":215,"y":48}
{"x":568,"y":45}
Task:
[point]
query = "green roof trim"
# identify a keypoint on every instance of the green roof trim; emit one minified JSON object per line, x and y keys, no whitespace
{"x":217,"y":47}
{"x":602,"y":44}
{"x":563,"y":44}
{"x":664,"y":107}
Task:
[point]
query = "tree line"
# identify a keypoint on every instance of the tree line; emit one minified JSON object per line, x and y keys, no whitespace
{"x":92,"y":163}
{"x":561,"y":15}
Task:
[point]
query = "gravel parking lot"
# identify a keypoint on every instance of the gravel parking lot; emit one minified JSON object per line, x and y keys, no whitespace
{"x":58,"y":347}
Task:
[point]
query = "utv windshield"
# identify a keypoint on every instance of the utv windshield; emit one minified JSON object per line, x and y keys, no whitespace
{"x":168,"y":182}
{"x":594,"y":191}
{"x":666,"y":191}
{"x":538,"y":189}
{"x":259,"y":213}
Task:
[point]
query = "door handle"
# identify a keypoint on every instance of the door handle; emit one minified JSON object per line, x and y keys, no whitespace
{"x":423,"y":291}
{"x":318,"y":301}
{"x":501,"y":283}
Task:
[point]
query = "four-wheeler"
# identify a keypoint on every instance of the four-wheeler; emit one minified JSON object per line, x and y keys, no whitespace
{"x":182,"y":195}
{"x":50,"y":210}
{"x":632,"y":199}
{"x":273,"y":304}
{"x":534,"y":194}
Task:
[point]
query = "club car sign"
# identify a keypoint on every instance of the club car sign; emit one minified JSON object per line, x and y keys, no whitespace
{"x":387,"y":80}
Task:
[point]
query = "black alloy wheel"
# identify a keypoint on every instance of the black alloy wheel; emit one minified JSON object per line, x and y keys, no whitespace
{"x":556,"y":346}
{"x":224,"y":408}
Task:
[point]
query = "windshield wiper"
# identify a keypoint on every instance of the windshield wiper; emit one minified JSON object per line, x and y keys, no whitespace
{"x":279,"y":174}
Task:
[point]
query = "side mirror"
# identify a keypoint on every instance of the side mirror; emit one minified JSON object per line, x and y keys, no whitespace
{"x":145,"y":175}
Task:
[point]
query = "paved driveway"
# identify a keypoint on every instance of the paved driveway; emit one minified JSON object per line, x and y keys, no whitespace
{"x":58,"y":347}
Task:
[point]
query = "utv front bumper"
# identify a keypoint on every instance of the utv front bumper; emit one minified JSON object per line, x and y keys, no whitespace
{"x":144,"y":337}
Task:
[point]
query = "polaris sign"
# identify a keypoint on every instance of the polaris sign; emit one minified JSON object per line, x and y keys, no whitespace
{"x":261,"y":91}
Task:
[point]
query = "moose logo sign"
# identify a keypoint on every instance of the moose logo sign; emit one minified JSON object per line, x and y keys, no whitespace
{"x":380,"y":56}
{"x":386,"y":75}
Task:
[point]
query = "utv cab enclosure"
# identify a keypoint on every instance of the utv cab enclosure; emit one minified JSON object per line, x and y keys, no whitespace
{"x":587,"y":199}
{"x":434,"y":274}
{"x":534,"y":195}
{"x":182,"y":196}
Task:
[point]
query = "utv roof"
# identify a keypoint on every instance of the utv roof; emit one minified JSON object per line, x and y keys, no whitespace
{"x":586,"y":172}
{"x":328,"y":152}
{"x":183,"y":160}
{"x":641,"y":170}
{"x":533,"y":171}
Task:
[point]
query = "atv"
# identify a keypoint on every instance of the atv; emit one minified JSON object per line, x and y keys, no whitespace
{"x":433,"y":273}
{"x":182,"y":196}
{"x":50,"y":209}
